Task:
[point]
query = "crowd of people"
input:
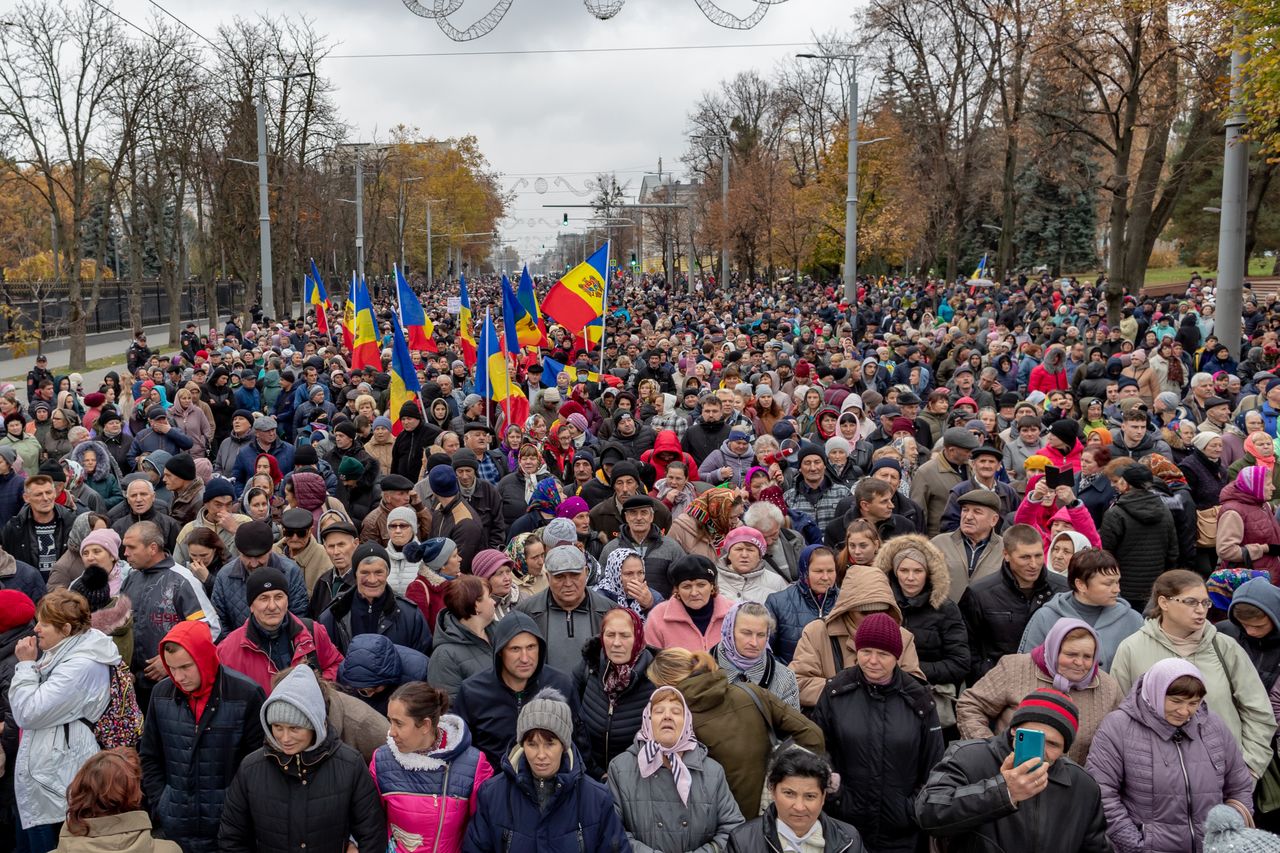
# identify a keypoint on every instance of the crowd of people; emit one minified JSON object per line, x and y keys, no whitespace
{"x":768,"y":572}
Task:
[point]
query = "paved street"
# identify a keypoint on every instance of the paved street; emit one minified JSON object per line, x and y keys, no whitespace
{"x":16,"y":368}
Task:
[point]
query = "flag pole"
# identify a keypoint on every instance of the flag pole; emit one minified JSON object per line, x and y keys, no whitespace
{"x":487,"y":379}
{"x":604,"y":303}
{"x":502,"y":346}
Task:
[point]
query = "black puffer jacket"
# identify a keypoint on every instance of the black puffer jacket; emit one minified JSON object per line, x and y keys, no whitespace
{"x":606,"y":729}
{"x":883,"y":740}
{"x":942,"y":641}
{"x":188,"y":765}
{"x":1139,"y":531}
{"x":760,"y":835}
{"x":1205,"y":478}
{"x":312,"y":801}
{"x":996,"y":612}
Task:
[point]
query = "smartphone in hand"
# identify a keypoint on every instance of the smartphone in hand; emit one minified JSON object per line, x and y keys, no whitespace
{"x":1027,"y":744}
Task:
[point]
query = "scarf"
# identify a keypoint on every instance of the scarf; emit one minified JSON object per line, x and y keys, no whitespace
{"x":652,"y":753}
{"x":1045,"y":655}
{"x":1164,"y":469}
{"x":1185,"y":646}
{"x":515,"y":550}
{"x":712,"y":510}
{"x":611,"y":583}
{"x":1252,"y":480}
{"x":546,"y":496}
{"x":617,"y":676}
{"x":1251,"y":447}
{"x":729,"y":648}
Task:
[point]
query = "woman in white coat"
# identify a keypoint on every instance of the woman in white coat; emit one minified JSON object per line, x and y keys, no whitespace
{"x":63,"y":676}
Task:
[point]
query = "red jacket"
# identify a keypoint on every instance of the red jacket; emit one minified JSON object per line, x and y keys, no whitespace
{"x":428,"y":594}
{"x":667,"y":444}
{"x":1043,"y":380}
{"x":1063,"y":462}
{"x":240,"y":653}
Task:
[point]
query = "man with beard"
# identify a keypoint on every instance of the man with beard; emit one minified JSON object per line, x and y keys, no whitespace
{"x":708,"y":432}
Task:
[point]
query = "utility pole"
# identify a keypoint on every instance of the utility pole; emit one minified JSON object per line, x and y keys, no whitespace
{"x":360,"y":212}
{"x":401,"y":215}
{"x":1235,"y":185}
{"x":724,"y":210}
{"x":430,"y":269}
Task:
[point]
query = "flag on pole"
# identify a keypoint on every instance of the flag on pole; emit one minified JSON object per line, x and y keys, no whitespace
{"x":552,"y":369}
{"x":510,"y":311}
{"x":404,"y":379}
{"x":530,"y":327}
{"x":349,"y":318}
{"x":466,"y":330}
{"x":981,"y":271}
{"x":493,"y":382}
{"x":417,"y":326}
{"x":365,"y":353}
{"x":591,"y":335}
{"x":578,"y":298}
{"x":317,"y":298}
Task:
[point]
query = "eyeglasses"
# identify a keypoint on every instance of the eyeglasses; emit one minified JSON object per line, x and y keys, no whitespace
{"x":1194,"y":603}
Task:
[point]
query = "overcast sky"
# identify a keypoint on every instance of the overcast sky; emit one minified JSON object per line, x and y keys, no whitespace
{"x":567,"y":115}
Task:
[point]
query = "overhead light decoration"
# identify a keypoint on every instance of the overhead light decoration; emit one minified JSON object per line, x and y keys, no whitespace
{"x":442,"y":11}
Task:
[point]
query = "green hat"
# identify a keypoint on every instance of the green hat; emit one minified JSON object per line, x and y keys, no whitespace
{"x":350,"y":468}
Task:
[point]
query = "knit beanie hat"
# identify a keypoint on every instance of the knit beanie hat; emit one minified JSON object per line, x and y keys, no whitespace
{"x":1066,"y":431}
{"x":305,"y":455}
{"x":443,"y":481}
{"x":572,"y":506}
{"x":489,"y":562}
{"x":744,"y":534}
{"x":691,"y":567}
{"x":181,"y":466}
{"x":436,"y":552}
{"x":218,"y":487}
{"x":16,"y":609}
{"x":838,"y":443}
{"x":265,"y":579}
{"x":1225,"y":832}
{"x":405,"y":514}
{"x":95,"y":585}
{"x":296,"y":701}
{"x":382,"y":421}
{"x":350,"y":468}
{"x":879,"y":631}
{"x":558,"y":531}
{"x":1051,"y":707}
{"x":548,"y":711}
{"x":1202,"y":439}
{"x":106,"y":539}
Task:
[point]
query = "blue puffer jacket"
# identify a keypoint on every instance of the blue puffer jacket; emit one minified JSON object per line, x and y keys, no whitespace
{"x":795,"y":607}
{"x":229,"y":587}
{"x":374,"y":661}
{"x":11,"y":494}
{"x":580,"y":815}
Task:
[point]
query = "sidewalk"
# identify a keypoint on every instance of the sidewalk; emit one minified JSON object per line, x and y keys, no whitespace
{"x":15,"y":369}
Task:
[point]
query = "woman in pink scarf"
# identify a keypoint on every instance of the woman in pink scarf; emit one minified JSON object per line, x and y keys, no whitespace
{"x":673,"y":796}
{"x":1248,"y":533}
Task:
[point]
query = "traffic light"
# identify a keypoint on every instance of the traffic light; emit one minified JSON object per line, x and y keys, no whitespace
{"x":566,"y":219}
{"x":633,"y":259}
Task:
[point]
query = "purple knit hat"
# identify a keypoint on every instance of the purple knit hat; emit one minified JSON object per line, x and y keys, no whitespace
{"x":569,"y":507}
{"x":1252,"y":481}
{"x":489,"y":562}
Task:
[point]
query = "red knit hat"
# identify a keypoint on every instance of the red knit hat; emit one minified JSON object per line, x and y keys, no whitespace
{"x":1051,"y":707}
{"x":16,"y":609}
{"x":879,"y":631}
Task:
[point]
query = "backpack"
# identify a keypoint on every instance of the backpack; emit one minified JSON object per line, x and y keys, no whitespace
{"x":121,"y":723}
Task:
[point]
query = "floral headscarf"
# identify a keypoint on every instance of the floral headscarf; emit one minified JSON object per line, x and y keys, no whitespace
{"x":546,"y":496}
{"x":652,"y":753}
{"x":713,"y":510}
{"x":515,"y":550}
{"x":1164,"y":469}
{"x":611,"y":581}
{"x":727,"y":645}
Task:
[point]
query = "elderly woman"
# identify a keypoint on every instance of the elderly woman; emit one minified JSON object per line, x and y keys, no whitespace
{"x":1164,"y":725}
{"x":705,"y":524}
{"x":1248,"y":533}
{"x":623,"y":582}
{"x":528,"y":551}
{"x":518,"y":487}
{"x":100,"y":472}
{"x":1259,"y":449}
{"x":612,"y":688}
{"x":672,"y":794}
{"x":1067,"y":661}
{"x":811,"y":597}
{"x":693,"y":616}
{"x":187,"y":415}
{"x":742,"y":573}
{"x":744,"y":654}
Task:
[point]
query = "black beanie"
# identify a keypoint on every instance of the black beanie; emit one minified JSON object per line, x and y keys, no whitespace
{"x":264,"y":579}
{"x":181,"y":466}
{"x":691,"y":567}
{"x":1065,"y":430}
{"x":305,"y":455}
{"x":93,"y":584}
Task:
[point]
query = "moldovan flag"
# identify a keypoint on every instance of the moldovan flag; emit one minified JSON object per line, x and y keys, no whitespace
{"x":591,"y":335}
{"x":365,"y":352}
{"x":418,"y":327}
{"x":317,"y":298}
{"x":510,"y":310}
{"x":578,"y":298}
{"x":492,"y":380}
{"x":466,"y":330}
{"x":349,"y":318}
{"x":530,"y":328}
{"x":404,"y":379}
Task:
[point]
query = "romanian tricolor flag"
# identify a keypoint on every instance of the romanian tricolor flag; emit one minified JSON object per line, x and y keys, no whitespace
{"x":578,"y":298}
{"x":349,"y":317}
{"x":317,"y":298}
{"x":466,"y":329}
{"x":981,"y":271}
{"x":591,"y":335}
{"x":418,"y":327}
{"x":530,"y":328}
{"x":493,"y":382}
{"x":404,"y":379}
{"x":552,"y":369}
{"x":510,"y":311}
{"x":364,"y":352}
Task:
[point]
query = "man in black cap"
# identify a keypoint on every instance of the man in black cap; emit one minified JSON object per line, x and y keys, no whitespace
{"x":882,"y":435}
{"x":984,"y":464}
{"x":188,"y":491}
{"x":815,"y":491}
{"x":452,"y":517}
{"x":248,"y":396}
{"x":160,"y":434}
{"x":1217,"y":411}
{"x":253,"y":541}
{"x":38,"y":374}
{"x":626,"y":482}
{"x":934,"y":480}
{"x":299,"y":545}
{"x":397,"y":491}
{"x":639,"y":533}
{"x":481,"y":495}
{"x":374,"y":608}
{"x":339,"y":540}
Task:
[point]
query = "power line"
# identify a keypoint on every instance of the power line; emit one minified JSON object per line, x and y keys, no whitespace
{"x":189,"y":28}
{"x":548,"y":51}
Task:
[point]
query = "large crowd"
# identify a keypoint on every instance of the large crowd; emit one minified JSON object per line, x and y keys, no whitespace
{"x":948,"y":566}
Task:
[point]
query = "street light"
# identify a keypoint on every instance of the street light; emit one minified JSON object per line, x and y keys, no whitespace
{"x":264,"y":208}
{"x":851,"y":195}
{"x":431,"y":270}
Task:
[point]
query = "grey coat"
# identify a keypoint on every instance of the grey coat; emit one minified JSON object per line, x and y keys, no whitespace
{"x":653,"y":815}
{"x":457,"y":654}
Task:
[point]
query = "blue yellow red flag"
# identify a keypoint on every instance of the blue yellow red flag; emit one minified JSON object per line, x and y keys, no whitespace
{"x":404,"y":379}
{"x":493,"y":382}
{"x":365,"y":352}
{"x":418,"y":328}
{"x":578,"y":298}
{"x":510,"y":311}
{"x":466,"y":329}
{"x":530,"y":328}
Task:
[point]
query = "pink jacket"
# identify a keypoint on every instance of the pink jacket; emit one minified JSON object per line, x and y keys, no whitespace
{"x":669,"y":626}
{"x":1056,"y":458}
{"x":240,"y":653}
{"x":1042,"y":516}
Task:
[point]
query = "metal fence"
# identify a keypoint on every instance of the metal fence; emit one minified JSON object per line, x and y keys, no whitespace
{"x":45,"y":305}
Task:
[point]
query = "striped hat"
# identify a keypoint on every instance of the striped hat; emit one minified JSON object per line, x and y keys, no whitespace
{"x":1051,"y":707}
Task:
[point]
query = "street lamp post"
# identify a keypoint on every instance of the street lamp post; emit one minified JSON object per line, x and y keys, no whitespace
{"x":1232,"y":263}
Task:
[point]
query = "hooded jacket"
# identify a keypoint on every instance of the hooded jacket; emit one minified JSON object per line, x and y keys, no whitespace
{"x":457,"y":653}
{"x":431,"y":794}
{"x":374,"y":661}
{"x":127,"y":832}
{"x":934,"y":620}
{"x":15,"y":574}
{"x":723,"y":457}
{"x":666,"y":448}
{"x":489,"y":706}
{"x":1159,"y":781}
{"x":1112,"y":624}
{"x":1233,"y":688}
{"x":1139,"y":531}
{"x":311,"y":801}
{"x":795,"y":607}
{"x":47,"y":699}
{"x":865,"y":590}
{"x":1263,"y":651}
{"x":193,"y":743}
